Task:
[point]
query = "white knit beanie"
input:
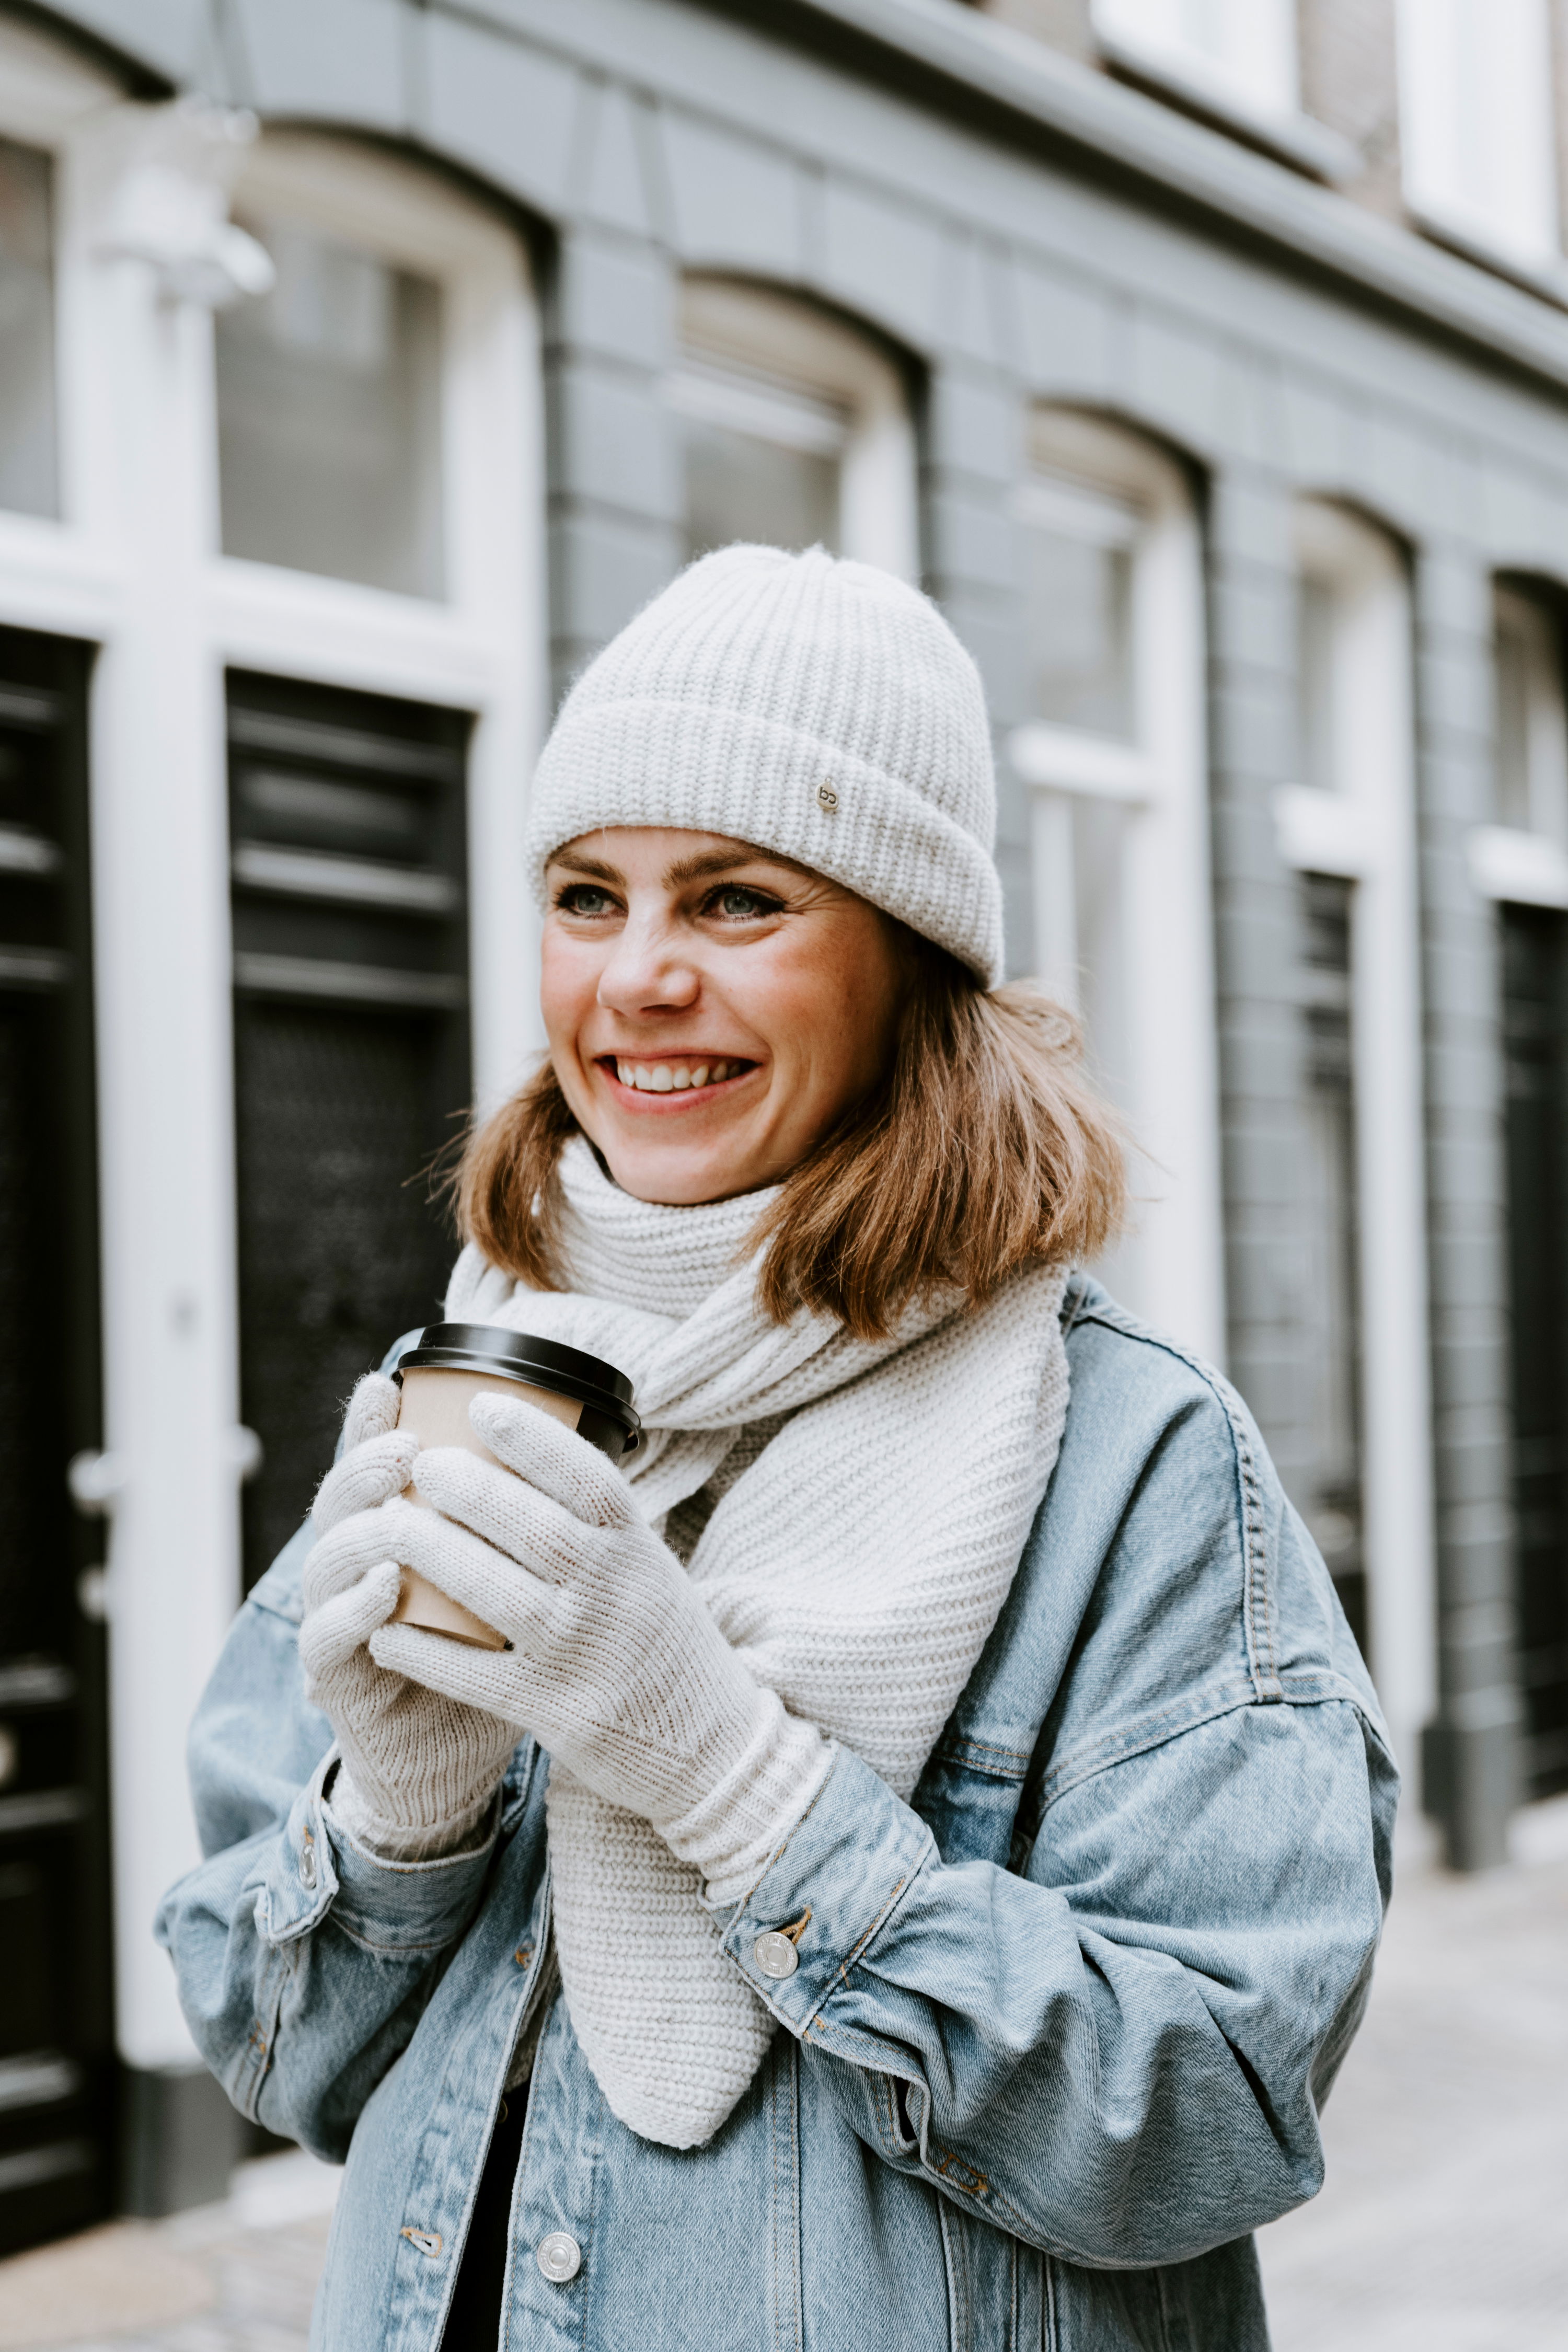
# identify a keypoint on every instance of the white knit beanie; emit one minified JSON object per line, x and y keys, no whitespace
{"x":817,"y":707}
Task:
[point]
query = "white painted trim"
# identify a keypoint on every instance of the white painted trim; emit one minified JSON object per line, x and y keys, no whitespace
{"x":1366,"y":831}
{"x":1522,"y":869}
{"x":1171,"y":1267}
{"x":766,"y":337}
{"x":1327,"y":832}
{"x":1094,"y":766}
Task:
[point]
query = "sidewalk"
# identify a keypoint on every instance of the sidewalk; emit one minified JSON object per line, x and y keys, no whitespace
{"x":1443,"y":2228}
{"x":235,"y":2277}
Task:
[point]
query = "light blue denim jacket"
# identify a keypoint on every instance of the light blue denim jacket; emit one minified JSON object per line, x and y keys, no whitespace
{"x":1060,"y":2029}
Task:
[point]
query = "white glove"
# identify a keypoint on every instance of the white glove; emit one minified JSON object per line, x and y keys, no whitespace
{"x":616,"y":1665}
{"x":417,"y":1771}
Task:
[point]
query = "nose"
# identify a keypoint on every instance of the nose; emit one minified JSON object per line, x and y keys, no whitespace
{"x":645,"y":972}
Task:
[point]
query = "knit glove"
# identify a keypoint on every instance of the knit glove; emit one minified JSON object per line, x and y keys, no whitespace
{"x":614,"y":1666}
{"x":418,"y":1770}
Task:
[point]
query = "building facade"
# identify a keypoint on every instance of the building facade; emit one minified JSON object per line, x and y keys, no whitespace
{"x":364,"y":365}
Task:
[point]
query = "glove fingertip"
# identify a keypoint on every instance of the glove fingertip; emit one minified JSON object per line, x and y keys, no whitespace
{"x":373,"y":1409}
{"x":550,"y":1457}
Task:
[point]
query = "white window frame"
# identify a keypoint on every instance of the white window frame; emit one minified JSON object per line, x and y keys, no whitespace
{"x":768,"y":364}
{"x":1482,"y":69}
{"x":132,"y":564}
{"x":1171,"y":1267}
{"x":1256,"y":66}
{"x":1364,"y":831}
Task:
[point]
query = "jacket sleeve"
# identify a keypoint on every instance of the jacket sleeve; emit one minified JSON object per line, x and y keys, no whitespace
{"x":1113,"y":2056}
{"x":304,"y":1963}
{"x":1113,"y":2045}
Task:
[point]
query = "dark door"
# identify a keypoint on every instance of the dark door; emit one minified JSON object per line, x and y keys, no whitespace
{"x":56,"y":2031}
{"x":1331,"y":1505}
{"x":1535,"y":996}
{"x":348,"y":843}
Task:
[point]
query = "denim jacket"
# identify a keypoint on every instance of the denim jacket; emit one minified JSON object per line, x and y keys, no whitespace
{"x":1059,"y":2031}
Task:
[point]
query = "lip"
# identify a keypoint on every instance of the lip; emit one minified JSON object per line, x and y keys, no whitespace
{"x":634,"y":1099}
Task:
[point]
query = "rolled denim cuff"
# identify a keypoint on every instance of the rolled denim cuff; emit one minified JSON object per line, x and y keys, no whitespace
{"x":827,"y":1893}
{"x":317,"y":1867}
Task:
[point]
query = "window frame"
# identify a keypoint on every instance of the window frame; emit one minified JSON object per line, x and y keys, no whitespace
{"x":1171,"y":1266}
{"x":1364,"y":832}
{"x":1258,"y":73}
{"x":776,"y":345}
{"x":1436,"y":88}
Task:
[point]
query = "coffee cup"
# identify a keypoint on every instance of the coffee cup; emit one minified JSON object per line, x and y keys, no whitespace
{"x":454,"y":1364}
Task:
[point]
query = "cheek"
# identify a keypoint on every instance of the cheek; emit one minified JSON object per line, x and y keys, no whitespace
{"x":568,"y":977}
{"x":826,"y":1013}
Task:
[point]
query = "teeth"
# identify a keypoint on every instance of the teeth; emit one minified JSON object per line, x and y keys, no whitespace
{"x":671,"y":1078}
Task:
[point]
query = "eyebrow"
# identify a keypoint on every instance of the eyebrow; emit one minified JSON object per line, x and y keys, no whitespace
{"x":700,"y":869}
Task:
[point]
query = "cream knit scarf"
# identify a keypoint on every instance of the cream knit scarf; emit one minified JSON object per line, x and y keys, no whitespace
{"x":858,"y":1549}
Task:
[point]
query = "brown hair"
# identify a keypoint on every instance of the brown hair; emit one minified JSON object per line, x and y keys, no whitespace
{"x":983,"y":1149}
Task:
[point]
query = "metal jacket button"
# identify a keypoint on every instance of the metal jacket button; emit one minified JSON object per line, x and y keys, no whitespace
{"x":558,"y":2256}
{"x":776,"y":1955}
{"x":307,"y":1863}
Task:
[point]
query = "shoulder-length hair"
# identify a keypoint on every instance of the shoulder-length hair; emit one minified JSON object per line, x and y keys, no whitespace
{"x":983,"y":1149}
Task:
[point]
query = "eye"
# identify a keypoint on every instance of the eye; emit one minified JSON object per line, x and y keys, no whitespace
{"x":584,"y":898}
{"x":734,"y":902}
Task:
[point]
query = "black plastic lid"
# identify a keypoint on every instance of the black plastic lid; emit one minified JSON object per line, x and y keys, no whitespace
{"x":521,"y":1356}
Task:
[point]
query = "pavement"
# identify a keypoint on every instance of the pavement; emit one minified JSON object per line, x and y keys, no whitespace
{"x":1443,"y":2226}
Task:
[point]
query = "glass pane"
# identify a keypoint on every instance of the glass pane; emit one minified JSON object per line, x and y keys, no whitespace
{"x":1531,"y":744}
{"x":28,"y":465}
{"x":1315,"y":665}
{"x":738,"y":486}
{"x":1513,"y":740}
{"x":1080,"y":634}
{"x":329,"y":416}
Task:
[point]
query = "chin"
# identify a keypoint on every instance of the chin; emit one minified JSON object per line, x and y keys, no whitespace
{"x":675,"y":1182}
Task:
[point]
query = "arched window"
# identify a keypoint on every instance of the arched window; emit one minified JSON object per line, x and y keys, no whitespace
{"x":373,"y":607}
{"x":1348,"y":829}
{"x":795,"y":428}
{"x":1115,"y":755}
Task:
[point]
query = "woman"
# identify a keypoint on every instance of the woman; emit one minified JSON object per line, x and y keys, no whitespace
{"x":915,"y":1871}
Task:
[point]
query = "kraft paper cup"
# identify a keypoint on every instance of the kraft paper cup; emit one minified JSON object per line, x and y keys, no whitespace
{"x":456,"y":1362}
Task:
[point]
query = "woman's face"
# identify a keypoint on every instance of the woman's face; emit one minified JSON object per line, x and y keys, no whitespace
{"x":712,"y":1009}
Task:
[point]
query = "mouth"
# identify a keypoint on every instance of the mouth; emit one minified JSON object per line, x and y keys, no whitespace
{"x":668,"y":1079}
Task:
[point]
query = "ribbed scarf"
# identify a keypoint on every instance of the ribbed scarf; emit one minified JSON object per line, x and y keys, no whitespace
{"x":857,"y":1561}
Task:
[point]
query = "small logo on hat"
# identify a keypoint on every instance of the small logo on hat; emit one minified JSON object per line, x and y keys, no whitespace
{"x":827,"y":798}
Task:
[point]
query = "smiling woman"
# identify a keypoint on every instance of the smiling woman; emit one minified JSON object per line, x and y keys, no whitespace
{"x":876,"y":1816}
{"x":723,"y":1021}
{"x":711,"y":1008}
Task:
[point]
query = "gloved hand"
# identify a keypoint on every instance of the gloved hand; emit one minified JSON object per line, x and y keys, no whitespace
{"x":616,"y":1665}
{"x":417,"y":1770}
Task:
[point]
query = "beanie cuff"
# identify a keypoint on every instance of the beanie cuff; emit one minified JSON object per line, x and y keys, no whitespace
{"x":646,"y":761}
